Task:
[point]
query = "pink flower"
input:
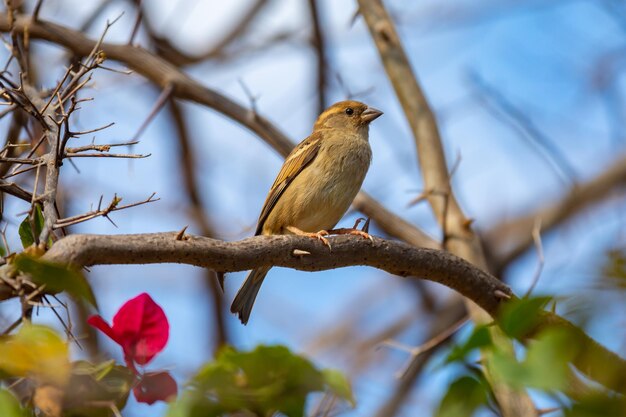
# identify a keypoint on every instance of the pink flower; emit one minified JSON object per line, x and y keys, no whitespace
{"x":140,"y":327}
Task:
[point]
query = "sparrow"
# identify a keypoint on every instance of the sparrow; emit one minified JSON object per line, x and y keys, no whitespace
{"x":315,"y":186}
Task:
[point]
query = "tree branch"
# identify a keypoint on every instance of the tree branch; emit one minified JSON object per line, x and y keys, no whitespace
{"x":458,"y":236}
{"x":320,"y":50}
{"x":394,"y":257}
{"x":397,"y":258}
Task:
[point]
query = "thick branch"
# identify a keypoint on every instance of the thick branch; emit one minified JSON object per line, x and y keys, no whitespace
{"x":397,"y":258}
{"x":394,"y":257}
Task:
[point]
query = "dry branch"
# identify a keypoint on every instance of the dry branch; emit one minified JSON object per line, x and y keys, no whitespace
{"x":394,"y":257}
{"x":458,"y":236}
{"x":398,"y":258}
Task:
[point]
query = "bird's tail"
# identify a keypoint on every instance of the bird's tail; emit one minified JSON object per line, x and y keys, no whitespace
{"x":244,"y":300}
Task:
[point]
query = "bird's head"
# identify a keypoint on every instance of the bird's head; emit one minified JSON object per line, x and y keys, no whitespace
{"x":347,"y":114}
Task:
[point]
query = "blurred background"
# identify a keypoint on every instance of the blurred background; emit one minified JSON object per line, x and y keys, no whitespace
{"x":530,"y":100}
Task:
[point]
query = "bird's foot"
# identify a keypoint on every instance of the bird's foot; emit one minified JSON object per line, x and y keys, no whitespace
{"x":351,"y":231}
{"x":318,"y":235}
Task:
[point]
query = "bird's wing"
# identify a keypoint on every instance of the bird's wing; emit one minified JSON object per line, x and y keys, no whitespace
{"x":296,"y":161}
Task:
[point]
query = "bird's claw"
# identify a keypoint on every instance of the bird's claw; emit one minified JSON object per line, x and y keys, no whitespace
{"x":320,"y":236}
{"x":364,"y":235}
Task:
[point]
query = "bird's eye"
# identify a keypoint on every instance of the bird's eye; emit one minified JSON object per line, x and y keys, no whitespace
{"x":349,"y":111}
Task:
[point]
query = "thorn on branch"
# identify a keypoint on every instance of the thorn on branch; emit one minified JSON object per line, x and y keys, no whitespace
{"x":501,"y":295}
{"x":251,"y":97}
{"x":220,"y":279}
{"x":384,"y":31}
{"x":181,"y":235}
{"x":467,"y":223}
{"x":300,"y":253}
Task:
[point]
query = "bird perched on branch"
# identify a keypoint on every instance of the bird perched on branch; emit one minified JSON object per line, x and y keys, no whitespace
{"x":315,"y":186}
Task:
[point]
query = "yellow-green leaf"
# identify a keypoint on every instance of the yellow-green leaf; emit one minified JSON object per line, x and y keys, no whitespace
{"x":37,"y":352}
{"x":9,"y":406}
{"x":339,"y":385}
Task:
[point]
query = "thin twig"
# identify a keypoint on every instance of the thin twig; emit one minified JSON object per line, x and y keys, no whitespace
{"x":541,"y":260}
{"x":520,"y":121}
{"x":158,"y":105}
{"x":113,"y":206}
{"x":414,"y":352}
{"x":137,"y":24}
{"x":105,"y":155}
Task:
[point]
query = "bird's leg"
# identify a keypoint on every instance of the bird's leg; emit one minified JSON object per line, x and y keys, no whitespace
{"x":319,"y":235}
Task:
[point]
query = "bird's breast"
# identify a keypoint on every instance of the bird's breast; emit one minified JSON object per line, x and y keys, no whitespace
{"x":320,"y":196}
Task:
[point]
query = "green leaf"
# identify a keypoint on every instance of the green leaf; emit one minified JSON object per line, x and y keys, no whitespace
{"x":339,"y":385}
{"x":479,"y":338}
{"x":598,"y":405}
{"x":265,"y":381}
{"x":519,"y":316}
{"x":55,"y":277}
{"x":9,"y":406}
{"x":93,"y":387}
{"x":546,"y":365}
{"x":464,"y":397}
{"x":26,"y":232}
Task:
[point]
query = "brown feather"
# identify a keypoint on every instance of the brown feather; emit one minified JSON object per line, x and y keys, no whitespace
{"x":296,"y":161}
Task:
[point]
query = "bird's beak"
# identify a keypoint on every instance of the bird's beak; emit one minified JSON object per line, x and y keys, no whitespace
{"x":370,"y":114}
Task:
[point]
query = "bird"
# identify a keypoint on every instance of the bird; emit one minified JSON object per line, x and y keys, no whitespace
{"x":315,"y":186}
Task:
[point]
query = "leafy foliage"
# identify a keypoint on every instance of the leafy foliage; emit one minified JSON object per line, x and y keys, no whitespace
{"x":546,"y":363}
{"x":28,"y":236}
{"x":55,"y":277}
{"x":266,"y":380}
{"x":597,"y":405}
{"x":464,"y":397}
{"x":518,"y":316}
{"x":479,"y":338}
{"x":94,"y":385}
